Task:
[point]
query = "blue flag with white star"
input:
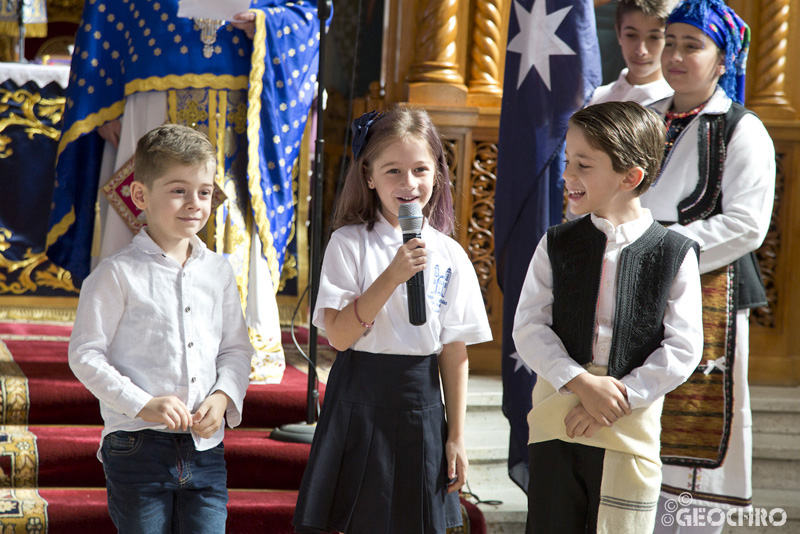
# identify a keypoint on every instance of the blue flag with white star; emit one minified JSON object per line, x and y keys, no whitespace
{"x":552,"y":68}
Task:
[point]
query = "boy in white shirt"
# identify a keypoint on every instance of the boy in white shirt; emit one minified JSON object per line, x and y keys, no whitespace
{"x":640,"y":26}
{"x":609,"y":318}
{"x":160,"y":340}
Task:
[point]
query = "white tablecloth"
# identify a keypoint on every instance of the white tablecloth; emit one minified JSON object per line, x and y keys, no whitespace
{"x":22,"y":73}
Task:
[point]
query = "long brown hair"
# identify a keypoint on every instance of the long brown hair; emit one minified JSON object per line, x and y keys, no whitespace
{"x":358,"y":204}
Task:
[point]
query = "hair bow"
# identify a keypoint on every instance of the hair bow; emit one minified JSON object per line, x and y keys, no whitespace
{"x":360,"y":128}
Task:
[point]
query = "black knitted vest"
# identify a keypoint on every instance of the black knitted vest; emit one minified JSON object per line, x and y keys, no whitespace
{"x":714,"y":135}
{"x":645,"y":271}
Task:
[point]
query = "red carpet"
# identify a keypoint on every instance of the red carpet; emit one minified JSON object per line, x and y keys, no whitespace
{"x":57,"y":397}
{"x":56,"y":453}
{"x":67,"y":457}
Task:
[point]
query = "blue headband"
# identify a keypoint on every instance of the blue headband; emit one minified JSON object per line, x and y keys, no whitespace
{"x":727,"y":30}
{"x":360,"y":129}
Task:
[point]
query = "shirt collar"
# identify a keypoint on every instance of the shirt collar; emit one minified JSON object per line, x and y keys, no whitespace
{"x":391,"y":235}
{"x":718,"y":104}
{"x":623,"y":78}
{"x":145,"y":243}
{"x":625,"y":233}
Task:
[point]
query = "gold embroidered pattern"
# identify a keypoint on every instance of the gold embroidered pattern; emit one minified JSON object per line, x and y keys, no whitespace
{"x":253,"y":129}
{"x":22,"y":510}
{"x":34,"y":108}
{"x":18,"y":445}
{"x":13,"y":390}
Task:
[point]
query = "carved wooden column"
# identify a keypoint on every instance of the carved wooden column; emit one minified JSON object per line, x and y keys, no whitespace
{"x":769,"y":97}
{"x":434,"y":76}
{"x":485,"y":83}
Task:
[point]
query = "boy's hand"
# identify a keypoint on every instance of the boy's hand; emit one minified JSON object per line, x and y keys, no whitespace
{"x":457,"y":464}
{"x":169,"y":410}
{"x":410,"y":259}
{"x":604,"y":397}
{"x":580,"y":423}
{"x":209,"y":416}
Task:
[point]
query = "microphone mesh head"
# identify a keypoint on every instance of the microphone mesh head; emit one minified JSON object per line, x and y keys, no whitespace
{"x":410,"y":218}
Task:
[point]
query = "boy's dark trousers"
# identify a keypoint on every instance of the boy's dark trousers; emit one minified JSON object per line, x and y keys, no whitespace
{"x":158,"y":483}
{"x":564,"y":487}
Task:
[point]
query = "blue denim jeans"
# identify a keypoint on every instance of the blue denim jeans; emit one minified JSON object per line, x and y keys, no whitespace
{"x":159,"y":484}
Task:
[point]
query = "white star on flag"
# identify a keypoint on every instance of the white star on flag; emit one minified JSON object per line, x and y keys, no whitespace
{"x":537,"y":39}
{"x":520,"y":362}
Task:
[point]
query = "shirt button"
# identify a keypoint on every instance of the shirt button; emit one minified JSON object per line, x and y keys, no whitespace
{"x":187,"y":309}
{"x":194,"y":379}
{"x":191,"y":344}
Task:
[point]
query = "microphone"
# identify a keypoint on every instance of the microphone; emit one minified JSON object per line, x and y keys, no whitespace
{"x":410,"y":218}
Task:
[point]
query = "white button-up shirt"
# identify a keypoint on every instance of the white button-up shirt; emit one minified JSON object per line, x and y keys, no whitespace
{"x":147,"y":326}
{"x":664,"y":370}
{"x":454,"y":307}
{"x":623,"y":91}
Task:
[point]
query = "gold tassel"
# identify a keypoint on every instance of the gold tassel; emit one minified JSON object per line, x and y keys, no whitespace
{"x":97,"y":234}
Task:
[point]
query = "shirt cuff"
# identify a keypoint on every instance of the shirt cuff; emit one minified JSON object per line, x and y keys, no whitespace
{"x":131,"y":400}
{"x":569,"y":373}
{"x":632,"y":391}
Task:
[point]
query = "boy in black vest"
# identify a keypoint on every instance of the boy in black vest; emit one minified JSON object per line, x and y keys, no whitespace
{"x":610,"y":318}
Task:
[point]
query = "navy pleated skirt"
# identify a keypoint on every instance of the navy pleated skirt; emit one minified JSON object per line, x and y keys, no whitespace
{"x":377,"y":463}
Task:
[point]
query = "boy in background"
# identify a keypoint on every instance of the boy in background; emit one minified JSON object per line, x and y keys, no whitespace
{"x":609,"y":318}
{"x":160,"y":340}
{"x":640,"y":26}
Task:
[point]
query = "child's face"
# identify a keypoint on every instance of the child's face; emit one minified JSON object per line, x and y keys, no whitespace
{"x":178,"y":203}
{"x":404,"y":172}
{"x":690,"y":61}
{"x":590,"y":180}
{"x":641,"y":39}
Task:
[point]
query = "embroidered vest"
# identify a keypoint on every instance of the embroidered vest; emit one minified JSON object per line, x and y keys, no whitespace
{"x":645,"y":272}
{"x":714,"y":134}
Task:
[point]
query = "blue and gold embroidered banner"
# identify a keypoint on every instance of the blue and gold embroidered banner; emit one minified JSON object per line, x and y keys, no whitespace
{"x":129,"y":46}
{"x":34,"y":17}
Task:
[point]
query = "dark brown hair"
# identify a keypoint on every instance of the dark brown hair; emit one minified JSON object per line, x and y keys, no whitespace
{"x":358,"y":204}
{"x":167,"y":146}
{"x":631,"y":135}
{"x":659,"y":9}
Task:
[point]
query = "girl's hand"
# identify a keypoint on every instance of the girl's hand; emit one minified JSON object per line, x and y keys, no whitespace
{"x":457,"y":464}
{"x":247,"y":22}
{"x":411,"y":258}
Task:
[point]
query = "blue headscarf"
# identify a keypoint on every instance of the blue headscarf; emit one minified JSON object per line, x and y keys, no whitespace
{"x":727,"y":30}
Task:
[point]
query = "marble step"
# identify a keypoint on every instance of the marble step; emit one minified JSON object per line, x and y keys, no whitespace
{"x":775,"y":409}
{"x":768,"y":503}
{"x":776,"y":461}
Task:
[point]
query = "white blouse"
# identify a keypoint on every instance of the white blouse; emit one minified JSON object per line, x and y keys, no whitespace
{"x":455,"y":311}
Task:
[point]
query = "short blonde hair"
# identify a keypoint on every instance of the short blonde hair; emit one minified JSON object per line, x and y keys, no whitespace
{"x":167,"y":146}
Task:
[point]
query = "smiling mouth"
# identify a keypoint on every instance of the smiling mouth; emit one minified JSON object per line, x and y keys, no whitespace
{"x":407,"y":199}
{"x":575,"y":195}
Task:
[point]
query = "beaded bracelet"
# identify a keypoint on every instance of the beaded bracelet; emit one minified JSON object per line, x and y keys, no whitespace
{"x":355,"y":310}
